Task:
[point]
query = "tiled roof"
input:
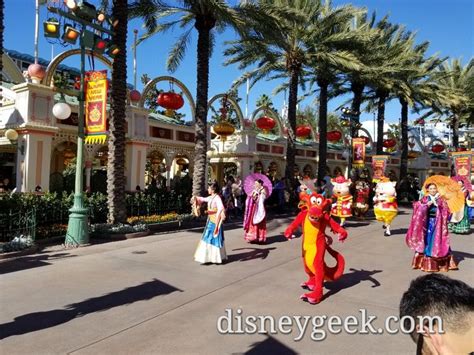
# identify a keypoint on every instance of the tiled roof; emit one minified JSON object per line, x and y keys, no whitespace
{"x":169,"y":120}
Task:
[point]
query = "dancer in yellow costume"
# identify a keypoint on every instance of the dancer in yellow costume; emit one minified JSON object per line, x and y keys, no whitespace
{"x":385,"y":203}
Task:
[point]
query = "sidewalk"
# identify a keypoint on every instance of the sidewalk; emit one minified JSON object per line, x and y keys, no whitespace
{"x":148,"y":296}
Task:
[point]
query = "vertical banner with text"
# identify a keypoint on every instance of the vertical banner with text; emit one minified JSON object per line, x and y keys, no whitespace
{"x":379,"y":163}
{"x":358,"y":152}
{"x":462,"y":163}
{"x":96,"y":107}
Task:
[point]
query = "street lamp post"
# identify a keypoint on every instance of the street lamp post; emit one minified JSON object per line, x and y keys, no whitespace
{"x":78,"y":231}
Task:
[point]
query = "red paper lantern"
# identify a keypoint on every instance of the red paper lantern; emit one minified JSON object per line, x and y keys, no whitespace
{"x":265,"y":123}
{"x":303,"y":131}
{"x":334,"y":136}
{"x":170,"y":100}
{"x":437,"y":148}
{"x":461,"y":149}
{"x":389,"y":143}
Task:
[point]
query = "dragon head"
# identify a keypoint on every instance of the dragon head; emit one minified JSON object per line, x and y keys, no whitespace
{"x":316,"y":205}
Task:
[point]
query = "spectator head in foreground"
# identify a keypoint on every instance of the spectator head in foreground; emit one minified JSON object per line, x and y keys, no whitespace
{"x":436,"y":295}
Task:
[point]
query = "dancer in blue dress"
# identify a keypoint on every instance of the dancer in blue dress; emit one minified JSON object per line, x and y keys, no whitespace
{"x":211,"y":247}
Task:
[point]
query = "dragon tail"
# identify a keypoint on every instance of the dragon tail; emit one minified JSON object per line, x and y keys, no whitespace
{"x":335,"y":272}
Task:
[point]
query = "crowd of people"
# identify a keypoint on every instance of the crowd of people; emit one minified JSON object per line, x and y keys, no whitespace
{"x":428,"y":234}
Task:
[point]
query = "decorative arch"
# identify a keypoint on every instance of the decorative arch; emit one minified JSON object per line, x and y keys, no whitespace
{"x":51,"y":69}
{"x":152,"y":83}
{"x":371,"y":141}
{"x":269,"y":113}
{"x":234,"y":104}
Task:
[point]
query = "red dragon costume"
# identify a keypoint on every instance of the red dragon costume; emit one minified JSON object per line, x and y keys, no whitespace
{"x":314,"y":218}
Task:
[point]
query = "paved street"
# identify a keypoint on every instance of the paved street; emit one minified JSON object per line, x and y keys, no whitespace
{"x":148,"y":296}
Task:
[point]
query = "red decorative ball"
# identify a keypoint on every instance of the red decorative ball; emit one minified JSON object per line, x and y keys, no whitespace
{"x":135,"y":96}
{"x":36,"y":71}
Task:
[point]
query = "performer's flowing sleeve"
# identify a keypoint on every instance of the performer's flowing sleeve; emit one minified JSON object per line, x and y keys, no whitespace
{"x":415,"y":237}
{"x":441,"y":242}
{"x":202,"y":199}
{"x":219,"y":205}
{"x":217,"y":202}
{"x":260,"y":212}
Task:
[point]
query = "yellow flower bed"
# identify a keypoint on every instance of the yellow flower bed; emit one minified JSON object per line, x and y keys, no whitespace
{"x":172,"y":216}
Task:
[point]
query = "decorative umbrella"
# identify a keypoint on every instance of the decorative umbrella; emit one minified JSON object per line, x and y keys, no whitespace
{"x":249,"y":183}
{"x":448,"y":189}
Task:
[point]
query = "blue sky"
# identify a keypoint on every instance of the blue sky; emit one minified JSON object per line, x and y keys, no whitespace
{"x":447,"y":24}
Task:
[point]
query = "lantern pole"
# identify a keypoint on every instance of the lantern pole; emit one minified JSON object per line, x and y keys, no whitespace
{"x":78,"y":229}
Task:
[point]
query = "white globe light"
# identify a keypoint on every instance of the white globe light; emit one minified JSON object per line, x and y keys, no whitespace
{"x":345,"y":154}
{"x":61,"y":110}
{"x":11,"y":134}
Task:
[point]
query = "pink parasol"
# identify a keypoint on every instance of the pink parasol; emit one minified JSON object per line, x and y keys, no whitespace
{"x":249,"y":183}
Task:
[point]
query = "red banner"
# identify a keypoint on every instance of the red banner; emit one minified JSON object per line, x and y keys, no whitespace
{"x":96,"y":107}
{"x":379,"y":163}
{"x":358,"y":152}
{"x":462,"y":163}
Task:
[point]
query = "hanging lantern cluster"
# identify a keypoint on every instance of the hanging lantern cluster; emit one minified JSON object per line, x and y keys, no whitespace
{"x":265,"y":123}
{"x":171,"y":101}
{"x":303,"y":131}
{"x":334,"y":136}
{"x":224,"y":128}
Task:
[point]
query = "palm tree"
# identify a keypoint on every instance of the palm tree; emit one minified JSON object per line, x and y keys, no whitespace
{"x":370,"y":53}
{"x":457,"y":83}
{"x":390,"y":47}
{"x":116,"y":144}
{"x":332,"y":45}
{"x":275,"y":46}
{"x":205,"y":16}
{"x":418,"y":86}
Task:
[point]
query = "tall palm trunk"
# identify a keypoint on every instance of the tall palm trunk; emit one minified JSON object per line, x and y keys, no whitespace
{"x":204,"y":26}
{"x":116,"y":162}
{"x":455,"y":125}
{"x":357,"y":89}
{"x":404,"y":140}
{"x":322,"y":127}
{"x":290,"y":145}
{"x":382,"y":97}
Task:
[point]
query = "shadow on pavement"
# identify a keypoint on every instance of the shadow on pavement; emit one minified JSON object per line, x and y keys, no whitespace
{"x":253,"y":253}
{"x":279,"y":238}
{"x":33,"y":322}
{"x":460,"y":256}
{"x":351,"y":279}
{"x":399,"y":231}
{"x":357,"y":224}
{"x":30,"y":262}
{"x":270,"y":346}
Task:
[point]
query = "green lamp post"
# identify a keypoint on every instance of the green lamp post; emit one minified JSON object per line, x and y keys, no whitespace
{"x":83,"y":14}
